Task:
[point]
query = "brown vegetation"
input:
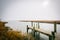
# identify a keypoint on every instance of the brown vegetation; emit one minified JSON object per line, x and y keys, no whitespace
{"x":7,"y":34}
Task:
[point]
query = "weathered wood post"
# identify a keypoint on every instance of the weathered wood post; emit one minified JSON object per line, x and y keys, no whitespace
{"x":34,"y":31}
{"x":38,"y":32}
{"x":55,"y":28}
{"x":50,"y":37}
{"x":27,"y":29}
{"x":32,"y":24}
{"x":53,"y":35}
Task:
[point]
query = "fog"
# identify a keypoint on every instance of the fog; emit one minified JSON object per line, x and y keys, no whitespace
{"x":14,"y":10}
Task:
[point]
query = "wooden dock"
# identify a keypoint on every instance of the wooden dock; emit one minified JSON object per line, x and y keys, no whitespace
{"x":52,"y":34}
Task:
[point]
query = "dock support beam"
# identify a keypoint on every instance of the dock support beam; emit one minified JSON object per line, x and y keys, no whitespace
{"x":53,"y":35}
{"x":55,"y":28}
{"x":32,"y":24}
{"x":27,"y":29}
{"x":50,"y":37}
{"x":34,"y":31}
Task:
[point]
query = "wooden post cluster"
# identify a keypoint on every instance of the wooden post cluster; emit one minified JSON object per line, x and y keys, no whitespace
{"x":51,"y":36}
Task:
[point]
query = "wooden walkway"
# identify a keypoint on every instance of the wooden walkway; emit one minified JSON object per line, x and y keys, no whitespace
{"x":48,"y":33}
{"x":52,"y":35}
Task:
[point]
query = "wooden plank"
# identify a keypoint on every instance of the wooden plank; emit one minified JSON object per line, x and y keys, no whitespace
{"x":48,"y":33}
{"x":42,"y":21}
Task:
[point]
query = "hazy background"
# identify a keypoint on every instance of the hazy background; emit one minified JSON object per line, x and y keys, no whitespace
{"x":12,"y":10}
